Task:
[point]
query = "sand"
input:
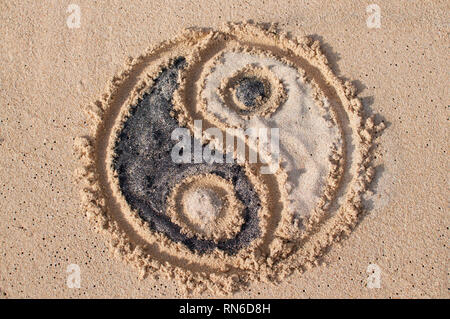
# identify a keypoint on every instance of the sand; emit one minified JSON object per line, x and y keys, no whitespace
{"x":402,"y":230}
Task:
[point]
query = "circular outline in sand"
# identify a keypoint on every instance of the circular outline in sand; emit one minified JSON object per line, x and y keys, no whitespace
{"x":225,"y":226}
{"x":129,"y":237}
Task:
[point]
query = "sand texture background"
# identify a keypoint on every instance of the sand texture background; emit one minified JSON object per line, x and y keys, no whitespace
{"x":48,"y":71}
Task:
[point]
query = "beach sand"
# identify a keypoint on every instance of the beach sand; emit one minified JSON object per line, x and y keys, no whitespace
{"x":50,"y":71}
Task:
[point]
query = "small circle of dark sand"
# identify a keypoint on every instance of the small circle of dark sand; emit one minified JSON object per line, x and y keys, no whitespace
{"x":250,"y":90}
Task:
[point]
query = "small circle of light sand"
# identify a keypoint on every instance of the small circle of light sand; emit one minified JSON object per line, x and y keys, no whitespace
{"x":206,"y":206}
{"x":202,"y":206}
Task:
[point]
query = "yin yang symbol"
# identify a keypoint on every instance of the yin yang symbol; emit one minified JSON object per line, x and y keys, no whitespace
{"x":223,"y":220}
